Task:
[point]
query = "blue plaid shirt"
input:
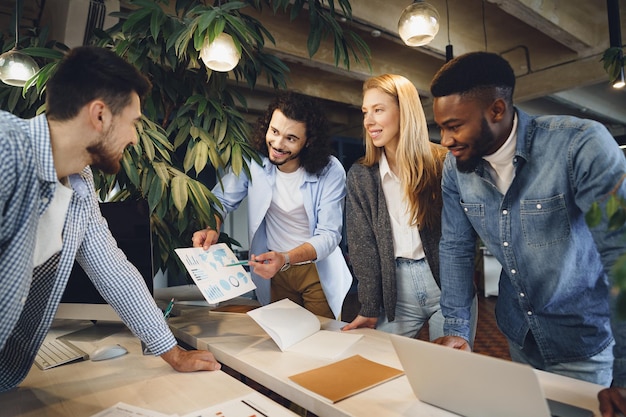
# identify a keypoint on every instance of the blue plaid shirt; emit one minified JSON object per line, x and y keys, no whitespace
{"x":28,"y":185}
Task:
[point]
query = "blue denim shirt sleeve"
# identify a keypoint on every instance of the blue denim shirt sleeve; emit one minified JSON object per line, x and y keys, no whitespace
{"x":457,"y":250}
{"x":594,"y":182}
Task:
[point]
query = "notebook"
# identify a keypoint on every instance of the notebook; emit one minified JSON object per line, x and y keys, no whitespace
{"x":475,"y":385}
{"x":346,"y":377}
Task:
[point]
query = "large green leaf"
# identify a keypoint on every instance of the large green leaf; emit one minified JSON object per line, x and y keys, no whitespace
{"x":155,"y":192}
{"x":180,"y":195}
{"x":161,"y":170}
{"x":52,"y":54}
{"x":201,"y":156}
{"x":594,"y":216}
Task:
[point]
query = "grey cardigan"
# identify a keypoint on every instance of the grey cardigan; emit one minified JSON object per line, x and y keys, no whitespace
{"x":370,"y":242}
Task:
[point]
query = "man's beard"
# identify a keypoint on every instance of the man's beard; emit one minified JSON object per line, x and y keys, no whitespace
{"x":102,"y":157}
{"x":485,"y":141}
{"x":291,"y":157}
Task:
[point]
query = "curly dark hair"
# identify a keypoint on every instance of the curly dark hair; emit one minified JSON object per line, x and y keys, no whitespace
{"x":316,"y":154}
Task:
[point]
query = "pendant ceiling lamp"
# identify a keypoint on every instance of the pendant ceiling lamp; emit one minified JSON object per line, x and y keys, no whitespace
{"x":16,"y":67}
{"x":418,"y":24}
{"x":220,"y":55}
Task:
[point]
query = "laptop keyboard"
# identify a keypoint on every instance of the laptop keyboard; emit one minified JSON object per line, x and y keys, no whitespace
{"x":57,"y":352}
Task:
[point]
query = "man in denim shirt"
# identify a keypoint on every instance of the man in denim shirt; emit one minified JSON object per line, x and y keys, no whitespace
{"x":523,"y":184}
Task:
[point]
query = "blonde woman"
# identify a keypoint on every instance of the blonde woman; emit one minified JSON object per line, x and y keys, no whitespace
{"x":393,"y":213}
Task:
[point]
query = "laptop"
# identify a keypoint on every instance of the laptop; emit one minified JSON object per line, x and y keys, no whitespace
{"x":475,"y":385}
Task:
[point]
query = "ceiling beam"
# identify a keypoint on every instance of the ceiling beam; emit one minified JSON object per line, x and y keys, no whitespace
{"x":561,"y":77}
{"x":591,"y":104}
{"x":578,"y":25}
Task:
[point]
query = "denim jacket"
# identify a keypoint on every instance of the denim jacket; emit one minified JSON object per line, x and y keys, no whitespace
{"x":554,"y":279}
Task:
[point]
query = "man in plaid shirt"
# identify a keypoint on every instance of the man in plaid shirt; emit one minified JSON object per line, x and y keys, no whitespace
{"x":49,"y":213}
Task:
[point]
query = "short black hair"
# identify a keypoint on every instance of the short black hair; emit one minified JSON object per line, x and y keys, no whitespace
{"x":88,"y":73}
{"x":473,"y":71}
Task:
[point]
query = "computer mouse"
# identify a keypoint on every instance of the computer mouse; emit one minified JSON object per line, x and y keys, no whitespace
{"x":108,"y":352}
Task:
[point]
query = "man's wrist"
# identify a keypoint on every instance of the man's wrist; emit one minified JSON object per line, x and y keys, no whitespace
{"x":287,"y":263}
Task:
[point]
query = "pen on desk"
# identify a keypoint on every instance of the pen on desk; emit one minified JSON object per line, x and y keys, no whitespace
{"x":254,"y":408}
{"x":168,"y":310}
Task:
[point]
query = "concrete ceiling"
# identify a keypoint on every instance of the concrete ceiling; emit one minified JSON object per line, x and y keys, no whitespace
{"x":554,"y":47}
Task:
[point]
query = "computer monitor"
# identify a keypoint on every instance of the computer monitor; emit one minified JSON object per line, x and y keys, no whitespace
{"x":129,"y":222}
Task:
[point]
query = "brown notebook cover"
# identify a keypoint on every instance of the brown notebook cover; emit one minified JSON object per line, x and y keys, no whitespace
{"x":345,"y":378}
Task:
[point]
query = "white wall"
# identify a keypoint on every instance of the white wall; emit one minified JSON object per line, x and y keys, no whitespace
{"x":66,"y":19}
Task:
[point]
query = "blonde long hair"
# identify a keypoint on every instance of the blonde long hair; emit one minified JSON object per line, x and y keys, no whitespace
{"x":419,"y":161}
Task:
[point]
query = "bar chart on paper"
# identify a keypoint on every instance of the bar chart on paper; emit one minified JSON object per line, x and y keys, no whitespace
{"x":217,"y":272}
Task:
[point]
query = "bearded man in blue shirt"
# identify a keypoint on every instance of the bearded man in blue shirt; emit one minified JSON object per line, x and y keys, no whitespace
{"x":522,"y":184}
{"x":49,"y":212}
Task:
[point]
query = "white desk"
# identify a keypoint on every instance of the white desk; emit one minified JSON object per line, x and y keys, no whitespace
{"x":85,"y":388}
{"x":189,"y":298}
{"x":238,"y":342}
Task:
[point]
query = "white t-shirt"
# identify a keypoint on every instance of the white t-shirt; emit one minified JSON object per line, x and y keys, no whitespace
{"x":50,"y":227}
{"x":286,"y":220}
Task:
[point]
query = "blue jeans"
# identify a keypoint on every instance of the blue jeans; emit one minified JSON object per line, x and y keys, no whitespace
{"x":417,"y":303}
{"x":598,"y":369}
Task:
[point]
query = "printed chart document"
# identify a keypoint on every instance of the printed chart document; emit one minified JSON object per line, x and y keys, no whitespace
{"x":345,"y":378}
{"x":296,"y":329}
{"x":210,"y":271}
{"x":253,"y":404}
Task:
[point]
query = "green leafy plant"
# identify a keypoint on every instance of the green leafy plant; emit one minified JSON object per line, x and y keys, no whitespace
{"x":615,"y":211}
{"x":613,"y":62}
{"x":193,"y":126}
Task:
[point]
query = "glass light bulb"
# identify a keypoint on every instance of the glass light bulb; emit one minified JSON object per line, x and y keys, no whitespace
{"x":620,"y":82}
{"x":16,"y":68}
{"x":418,"y":24}
{"x":221,"y":54}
